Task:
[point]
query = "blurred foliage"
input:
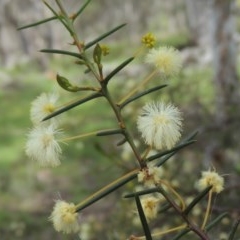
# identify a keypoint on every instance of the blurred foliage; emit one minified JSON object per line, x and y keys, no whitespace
{"x":178,"y":40}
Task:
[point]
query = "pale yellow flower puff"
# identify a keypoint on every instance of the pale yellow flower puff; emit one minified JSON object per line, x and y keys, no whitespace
{"x":160,"y":125}
{"x":42,"y":146}
{"x":150,"y":207}
{"x":150,"y":176}
{"x":211,"y":178}
{"x":64,"y":217}
{"x":166,"y":59}
{"x":42,"y":106}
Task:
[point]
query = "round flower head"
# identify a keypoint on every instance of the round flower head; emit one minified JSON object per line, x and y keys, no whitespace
{"x":160,"y":125}
{"x":64,"y":217}
{"x":42,"y":106}
{"x":150,"y":175}
{"x":166,"y":59}
{"x":211,"y":178}
{"x":43,"y":147}
{"x":150,"y":207}
{"x":149,"y":40}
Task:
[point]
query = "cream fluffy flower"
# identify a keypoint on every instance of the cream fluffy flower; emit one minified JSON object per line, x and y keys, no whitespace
{"x":43,"y":147}
{"x":150,"y":175}
{"x":42,"y":106}
{"x":160,"y":125}
{"x":150,"y":207}
{"x":64,"y":217}
{"x":211,"y":178}
{"x":166,"y":59}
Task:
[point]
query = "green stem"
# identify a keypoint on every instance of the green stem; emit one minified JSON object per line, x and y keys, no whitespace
{"x":61,"y":8}
{"x":121,"y":124}
{"x":69,"y":25}
{"x":59,"y":16}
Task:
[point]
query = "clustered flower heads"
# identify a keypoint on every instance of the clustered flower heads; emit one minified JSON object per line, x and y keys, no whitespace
{"x":160,"y":125}
{"x":64,"y":217}
{"x":150,"y":175}
{"x":166,"y":59}
{"x":43,"y":147}
{"x":42,"y":106}
{"x":211,"y":178}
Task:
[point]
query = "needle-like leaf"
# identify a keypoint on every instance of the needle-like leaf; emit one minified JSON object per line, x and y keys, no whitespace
{"x":81,"y":9}
{"x":181,"y":234}
{"x":37,"y":23}
{"x":117,"y":69}
{"x":110,"y":132}
{"x":177,"y":148}
{"x":234,"y":229}
{"x":196,"y":200}
{"x":72,"y":105}
{"x":133,"y":98}
{"x":107,"y":190}
{"x":143,"y":192}
{"x":57,"y":51}
{"x":143,"y":219}
{"x":98,"y":39}
{"x":215,"y":221}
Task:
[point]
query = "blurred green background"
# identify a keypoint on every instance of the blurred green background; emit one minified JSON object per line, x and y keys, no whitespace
{"x":209,"y":102}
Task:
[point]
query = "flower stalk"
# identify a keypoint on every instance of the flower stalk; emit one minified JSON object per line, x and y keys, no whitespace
{"x":107,"y":189}
{"x":157,"y":234}
{"x":208,"y":209}
{"x":135,"y":89}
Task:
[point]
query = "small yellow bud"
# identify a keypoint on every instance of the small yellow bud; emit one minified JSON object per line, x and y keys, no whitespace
{"x":105,"y":49}
{"x":149,"y":40}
